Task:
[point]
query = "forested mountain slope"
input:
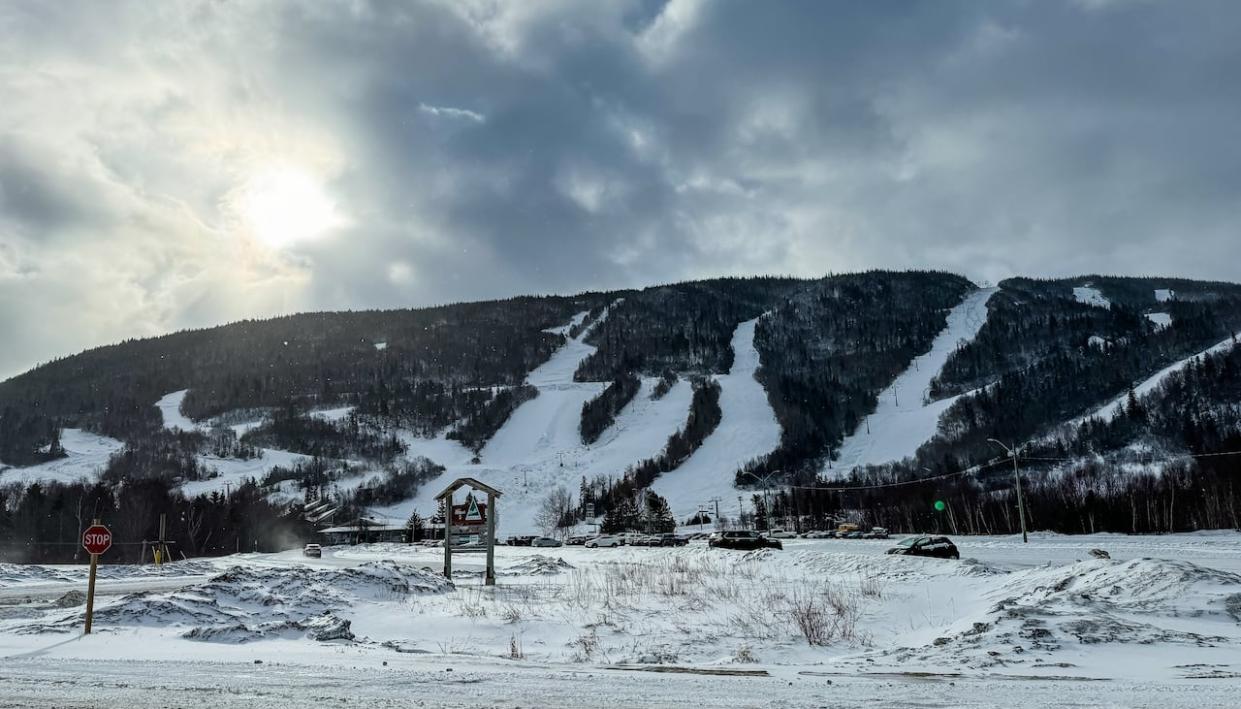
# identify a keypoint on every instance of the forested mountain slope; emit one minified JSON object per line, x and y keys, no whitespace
{"x":601,"y":396}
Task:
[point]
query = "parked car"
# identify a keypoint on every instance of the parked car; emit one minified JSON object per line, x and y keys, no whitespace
{"x":607,"y":540}
{"x":938,"y":547}
{"x":313,"y":550}
{"x":577,"y":540}
{"x":545,"y":542}
{"x":669,"y":540}
{"x":853,"y":535}
{"x":876,"y":533}
{"x":818,"y":534}
{"x":523,"y":541}
{"x":780,"y":534}
{"x":744,"y":539}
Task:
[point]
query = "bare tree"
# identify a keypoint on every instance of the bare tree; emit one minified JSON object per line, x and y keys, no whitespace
{"x":554,"y":508}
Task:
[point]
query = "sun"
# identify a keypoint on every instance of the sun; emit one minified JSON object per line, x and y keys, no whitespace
{"x":283,"y":206}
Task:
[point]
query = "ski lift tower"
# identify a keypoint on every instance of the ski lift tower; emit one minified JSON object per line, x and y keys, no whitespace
{"x":466,"y":512}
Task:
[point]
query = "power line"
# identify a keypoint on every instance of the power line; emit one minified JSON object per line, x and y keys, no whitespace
{"x":978,"y":469}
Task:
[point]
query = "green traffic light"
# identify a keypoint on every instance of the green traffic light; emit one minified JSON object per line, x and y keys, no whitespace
{"x":939,"y":506}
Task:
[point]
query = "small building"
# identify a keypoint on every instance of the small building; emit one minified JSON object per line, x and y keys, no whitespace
{"x":365,"y":530}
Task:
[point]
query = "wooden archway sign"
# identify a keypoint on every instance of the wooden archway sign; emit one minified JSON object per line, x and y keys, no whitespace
{"x":489,"y":578}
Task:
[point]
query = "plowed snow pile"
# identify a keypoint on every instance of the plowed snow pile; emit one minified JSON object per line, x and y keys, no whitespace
{"x":246,"y":603}
{"x":21,"y":574}
{"x":1047,"y":616}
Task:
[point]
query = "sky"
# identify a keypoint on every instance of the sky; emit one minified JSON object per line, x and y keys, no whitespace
{"x":193,"y":162}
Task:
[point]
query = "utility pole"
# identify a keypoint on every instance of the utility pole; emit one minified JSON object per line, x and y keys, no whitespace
{"x":1021,"y":505}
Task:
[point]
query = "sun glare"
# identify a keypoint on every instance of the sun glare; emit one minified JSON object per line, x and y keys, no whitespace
{"x":284,"y":206}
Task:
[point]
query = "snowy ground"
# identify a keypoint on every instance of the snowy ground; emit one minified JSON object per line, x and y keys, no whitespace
{"x":903,"y":419}
{"x":1158,"y":624}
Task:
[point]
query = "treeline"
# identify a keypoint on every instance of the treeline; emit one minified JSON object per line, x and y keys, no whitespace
{"x":43,"y":523}
{"x":313,"y":359}
{"x":1031,"y":321}
{"x":481,"y":424}
{"x":1071,"y":378}
{"x":1169,"y":461}
{"x":600,"y":412}
{"x":829,"y":350}
{"x":1086,"y":498}
{"x":28,"y":438}
{"x":349,"y":438}
{"x":686,"y":327}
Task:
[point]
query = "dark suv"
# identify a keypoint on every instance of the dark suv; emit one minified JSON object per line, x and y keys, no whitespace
{"x":744,"y":539}
{"x":668,"y":540}
{"x":938,"y":547}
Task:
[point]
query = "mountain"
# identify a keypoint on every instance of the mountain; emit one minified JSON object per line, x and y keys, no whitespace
{"x":833,"y":396}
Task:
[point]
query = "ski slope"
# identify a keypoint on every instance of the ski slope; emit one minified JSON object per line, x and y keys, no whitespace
{"x":170,"y":407}
{"x":86,"y":456}
{"x":748,"y":429}
{"x":1091,"y":296}
{"x":1108,"y":411}
{"x":903,"y":420}
{"x":539,"y":448}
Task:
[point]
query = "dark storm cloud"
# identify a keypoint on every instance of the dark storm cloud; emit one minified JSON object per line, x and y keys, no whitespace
{"x":481,"y":149}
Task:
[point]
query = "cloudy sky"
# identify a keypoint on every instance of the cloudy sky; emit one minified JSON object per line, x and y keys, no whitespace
{"x":186,"y":163}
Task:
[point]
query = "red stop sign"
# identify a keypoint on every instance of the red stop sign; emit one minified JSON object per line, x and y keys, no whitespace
{"x":97,"y":539}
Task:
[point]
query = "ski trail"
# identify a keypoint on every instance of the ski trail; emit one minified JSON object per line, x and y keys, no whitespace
{"x":1108,"y":411}
{"x":539,"y":448}
{"x":902,"y":420}
{"x":748,"y":429}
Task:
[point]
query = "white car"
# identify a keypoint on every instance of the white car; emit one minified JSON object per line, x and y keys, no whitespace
{"x":607,"y":540}
{"x":780,"y":534}
{"x":545,"y":542}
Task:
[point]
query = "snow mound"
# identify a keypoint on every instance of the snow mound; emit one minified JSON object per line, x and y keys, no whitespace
{"x":17,"y":574}
{"x":540,"y":565}
{"x":1045,"y":613}
{"x":14,"y":574}
{"x":244,"y":603}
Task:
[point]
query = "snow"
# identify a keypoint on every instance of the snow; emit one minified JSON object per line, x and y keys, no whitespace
{"x":540,"y":448}
{"x":1097,"y":342}
{"x":87,"y":456}
{"x":1091,"y":296}
{"x":170,"y":406}
{"x":1011,"y":624}
{"x":1108,"y":410}
{"x":903,"y":420}
{"x":748,"y":429}
{"x":568,"y":327}
{"x":1163,"y":295}
{"x":1161,"y":320}
{"x":381,"y":346}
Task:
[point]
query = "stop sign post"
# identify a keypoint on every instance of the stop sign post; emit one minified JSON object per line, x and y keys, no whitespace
{"x":96,"y":540}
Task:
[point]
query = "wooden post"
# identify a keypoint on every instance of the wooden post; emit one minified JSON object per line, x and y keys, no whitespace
{"x":448,"y":537}
{"x":90,"y":591}
{"x":489,"y":579}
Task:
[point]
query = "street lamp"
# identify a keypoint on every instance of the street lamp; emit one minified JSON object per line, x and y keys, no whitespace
{"x":1021,"y":505}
